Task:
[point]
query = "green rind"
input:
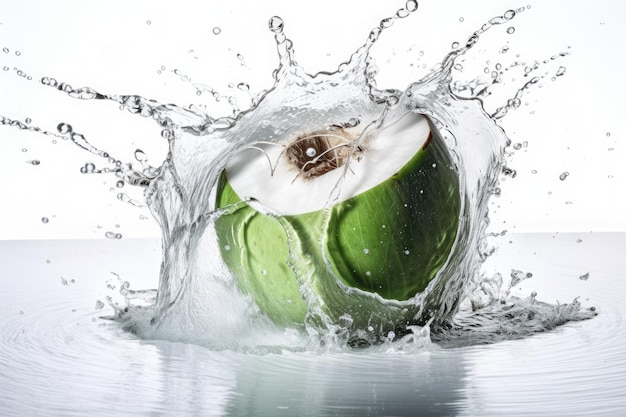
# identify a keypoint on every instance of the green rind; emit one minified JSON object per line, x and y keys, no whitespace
{"x":254,"y":247}
{"x":369,"y":251}
{"x":424,"y":195}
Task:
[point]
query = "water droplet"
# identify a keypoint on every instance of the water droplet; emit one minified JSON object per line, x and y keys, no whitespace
{"x":608,"y":134}
{"x":148,"y":22}
{"x":509,"y":172}
{"x":140,"y":155}
{"x":5,"y":50}
{"x":311,"y":152}
{"x":560,"y":71}
{"x":411,"y":5}
{"x":34,"y":162}
{"x":45,"y":220}
{"x":564,"y":176}
{"x":461,"y":19}
{"x":517,"y":146}
{"x":407,"y":252}
{"x":18,"y":53}
{"x":392,"y":100}
{"x":264,"y":272}
{"x":584,"y":277}
{"x":276,"y":24}
{"x":243,"y":86}
{"x":510,"y":30}
{"x":167,"y":134}
{"x":366,"y":251}
{"x":217,"y":30}
{"x":509,"y":14}
{"x":28,"y":120}
{"x":534,"y":171}
{"x":99,"y":305}
{"x":518,"y":276}
{"x":119,"y":184}
{"x":24,"y":150}
{"x":88,"y":168}
{"x":386,"y":23}
{"x":63,"y":281}
{"x":226,"y":247}
{"x":113,"y":235}
{"x":402,"y":13}
{"x":64,"y":128}
{"x":5,"y":68}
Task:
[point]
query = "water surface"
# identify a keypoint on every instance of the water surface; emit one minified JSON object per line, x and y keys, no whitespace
{"x":58,"y":357}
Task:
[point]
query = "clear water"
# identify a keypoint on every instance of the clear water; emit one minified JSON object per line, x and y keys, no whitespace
{"x":61,"y":354}
{"x":197,"y":300}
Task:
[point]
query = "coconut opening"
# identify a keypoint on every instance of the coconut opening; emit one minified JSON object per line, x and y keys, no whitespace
{"x":295,"y":182}
{"x":320,"y":152}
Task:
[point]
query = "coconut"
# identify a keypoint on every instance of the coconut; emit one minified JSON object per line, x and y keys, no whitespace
{"x":350,"y":220}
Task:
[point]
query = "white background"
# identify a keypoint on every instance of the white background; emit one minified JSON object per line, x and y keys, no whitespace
{"x":118,"y":47}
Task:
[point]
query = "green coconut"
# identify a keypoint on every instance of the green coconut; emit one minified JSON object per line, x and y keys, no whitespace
{"x":353,"y":225}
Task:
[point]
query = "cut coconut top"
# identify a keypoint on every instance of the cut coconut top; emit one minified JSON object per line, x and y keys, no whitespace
{"x":299,"y":175}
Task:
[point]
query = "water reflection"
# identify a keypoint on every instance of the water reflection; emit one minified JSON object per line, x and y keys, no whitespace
{"x":429,"y":383}
{"x":198,"y":381}
{"x":194,"y":380}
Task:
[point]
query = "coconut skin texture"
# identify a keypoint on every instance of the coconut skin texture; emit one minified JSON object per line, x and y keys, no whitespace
{"x":361,"y":262}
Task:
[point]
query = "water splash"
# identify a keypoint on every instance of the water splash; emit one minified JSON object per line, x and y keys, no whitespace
{"x":196,"y":288}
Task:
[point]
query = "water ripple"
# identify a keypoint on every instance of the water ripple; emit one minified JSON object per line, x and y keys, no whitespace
{"x":57,"y":357}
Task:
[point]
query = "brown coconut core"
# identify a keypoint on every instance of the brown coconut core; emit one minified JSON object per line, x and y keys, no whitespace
{"x":320,"y":152}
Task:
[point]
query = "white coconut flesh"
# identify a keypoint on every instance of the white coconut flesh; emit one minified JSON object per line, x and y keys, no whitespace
{"x":270,"y":176}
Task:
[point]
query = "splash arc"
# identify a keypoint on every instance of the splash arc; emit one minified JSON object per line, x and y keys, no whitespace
{"x":387,"y":228}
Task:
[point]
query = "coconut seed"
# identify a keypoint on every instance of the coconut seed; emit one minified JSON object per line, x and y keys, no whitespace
{"x":320,"y":152}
